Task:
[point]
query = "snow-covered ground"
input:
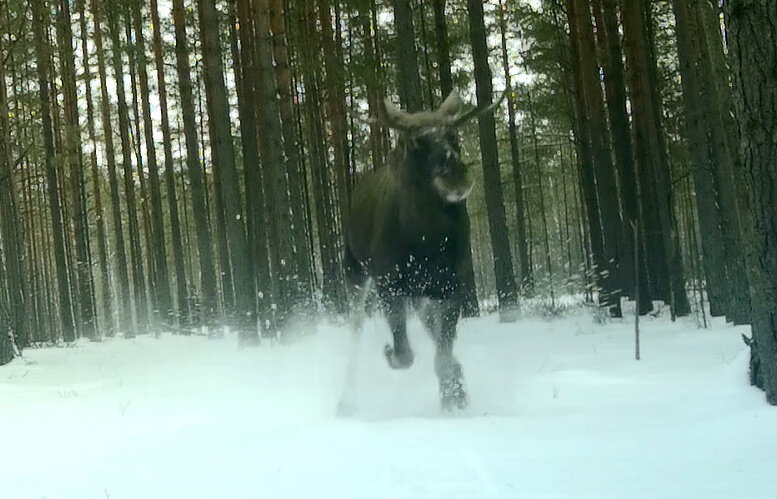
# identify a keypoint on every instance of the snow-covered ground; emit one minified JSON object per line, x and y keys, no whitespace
{"x":559,"y":409}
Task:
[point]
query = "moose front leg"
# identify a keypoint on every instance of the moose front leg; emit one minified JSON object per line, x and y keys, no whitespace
{"x":400,"y":356}
{"x":446,"y":366}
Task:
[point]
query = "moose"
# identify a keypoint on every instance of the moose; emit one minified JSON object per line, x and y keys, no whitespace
{"x":408,"y":233}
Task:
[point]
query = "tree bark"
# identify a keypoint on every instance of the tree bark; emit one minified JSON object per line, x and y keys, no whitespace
{"x":42,"y":50}
{"x":194,"y":168}
{"x":409,"y":84}
{"x":503,"y":265}
{"x":752,"y":31}
{"x":102,"y":241}
{"x":138,"y":277}
{"x":652,"y":161}
{"x":613,"y":235}
{"x":74,"y":159}
{"x":526,"y":279}
{"x":224,"y":155}
{"x":608,"y":35}
{"x":158,"y":250}
{"x":172,"y":203}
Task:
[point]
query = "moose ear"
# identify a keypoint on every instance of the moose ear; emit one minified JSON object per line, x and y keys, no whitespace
{"x":450,"y":105}
{"x":395,"y":117}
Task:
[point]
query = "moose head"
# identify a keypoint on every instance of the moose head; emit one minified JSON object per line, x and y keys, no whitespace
{"x":427,"y":141}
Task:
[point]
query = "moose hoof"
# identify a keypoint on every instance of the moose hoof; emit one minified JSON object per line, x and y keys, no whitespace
{"x":452,"y":392}
{"x":398,"y":360}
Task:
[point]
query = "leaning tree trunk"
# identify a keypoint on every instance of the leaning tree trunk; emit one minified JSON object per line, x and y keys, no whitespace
{"x":752,"y":31}
{"x":507,"y":292}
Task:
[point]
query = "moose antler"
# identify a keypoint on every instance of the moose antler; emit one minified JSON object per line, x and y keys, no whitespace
{"x":445,"y":115}
{"x":478,"y":111}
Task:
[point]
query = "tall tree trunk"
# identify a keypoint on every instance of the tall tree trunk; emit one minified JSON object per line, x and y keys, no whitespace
{"x":42,"y":50}
{"x":335,"y":109}
{"x":752,"y":32}
{"x":718,"y":290}
{"x":608,"y":34}
{"x":102,"y":241}
{"x":296,"y":179}
{"x":158,"y":250}
{"x":148,"y":303}
{"x":12,"y":235}
{"x":409,"y":84}
{"x":138,"y":277}
{"x":194,"y":168}
{"x":720,"y":130}
{"x":274,"y":174}
{"x":526,"y":279}
{"x":651,"y":155}
{"x":470,"y":306}
{"x":613,"y":235}
{"x":255,"y":210}
{"x":333,"y":290}
{"x":503,"y":264}
{"x":221,"y":142}
{"x":123,"y":296}
{"x":74,"y":159}
{"x":172,"y":203}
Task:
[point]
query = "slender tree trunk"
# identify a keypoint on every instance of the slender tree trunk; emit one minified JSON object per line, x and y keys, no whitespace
{"x":148,"y":303}
{"x":74,"y":159}
{"x":158,"y":247}
{"x":138,"y":276}
{"x":172,"y":203}
{"x":42,"y":49}
{"x":526,"y":279}
{"x":274,"y":174}
{"x":609,"y":35}
{"x":651,"y":156}
{"x":102,"y":241}
{"x":194,"y":168}
{"x":242,"y":270}
{"x":296,"y":178}
{"x":503,"y":265}
{"x":12,"y":235}
{"x":718,"y":289}
{"x":613,"y":234}
{"x":253,"y":175}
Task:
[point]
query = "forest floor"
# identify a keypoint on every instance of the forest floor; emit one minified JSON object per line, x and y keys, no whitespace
{"x":559,"y":409}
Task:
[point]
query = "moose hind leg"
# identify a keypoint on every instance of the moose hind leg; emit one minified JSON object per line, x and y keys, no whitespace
{"x":450,"y":377}
{"x":400,"y":356}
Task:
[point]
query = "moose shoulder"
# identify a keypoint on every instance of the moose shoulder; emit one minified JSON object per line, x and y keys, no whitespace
{"x":408,"y":233}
